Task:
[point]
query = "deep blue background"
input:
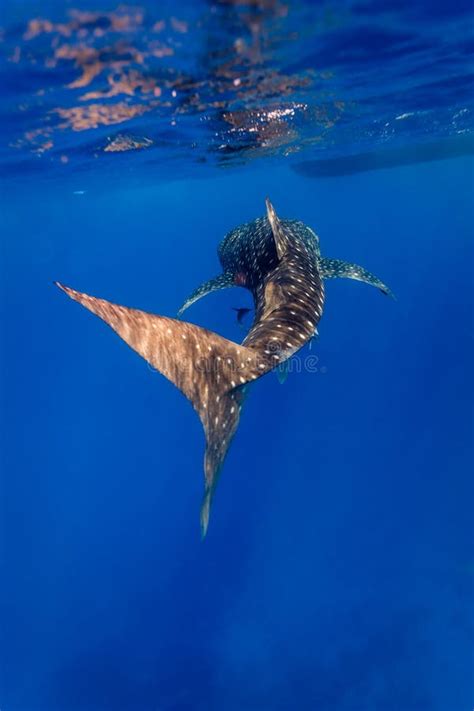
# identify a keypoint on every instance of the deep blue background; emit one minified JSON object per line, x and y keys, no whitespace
{"x":337,"y":572}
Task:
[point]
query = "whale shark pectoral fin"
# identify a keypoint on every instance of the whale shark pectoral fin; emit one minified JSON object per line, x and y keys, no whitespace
{"x":223,"y":281}
{"x":208,"y":369}
{"x":279,"y":234}
{"x":332,"y":268}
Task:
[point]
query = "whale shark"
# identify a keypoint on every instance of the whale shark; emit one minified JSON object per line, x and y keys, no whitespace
{"x":279,"y":261}
{"x":257,"y":235}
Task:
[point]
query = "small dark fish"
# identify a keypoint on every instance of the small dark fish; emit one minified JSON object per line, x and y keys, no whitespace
{"x":241,"y":314}
{"x":279,"y":262}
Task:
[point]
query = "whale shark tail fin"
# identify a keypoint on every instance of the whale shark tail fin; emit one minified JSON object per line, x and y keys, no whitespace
{"x":219,"y":431}
{"x":210,"y":370}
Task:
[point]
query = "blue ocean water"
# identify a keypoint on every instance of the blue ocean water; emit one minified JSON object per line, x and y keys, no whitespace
{"x":337,"y":573}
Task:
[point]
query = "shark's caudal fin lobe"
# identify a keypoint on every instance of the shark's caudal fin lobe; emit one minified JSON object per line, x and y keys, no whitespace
{"x":210,"y":370}
{"x":279,"y":235}
{"x":204,"y":516}
{"x":220,"y":430}
{"x":220,"y":425}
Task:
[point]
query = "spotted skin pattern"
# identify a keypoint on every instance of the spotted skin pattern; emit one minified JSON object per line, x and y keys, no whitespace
{"x":223,"y":281}
{"x":213,"y":372}
{"x":253,"y":243}
{"x":332,"y":268}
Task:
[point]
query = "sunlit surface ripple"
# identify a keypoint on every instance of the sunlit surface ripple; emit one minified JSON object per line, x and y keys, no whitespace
{"x":224,"y":82}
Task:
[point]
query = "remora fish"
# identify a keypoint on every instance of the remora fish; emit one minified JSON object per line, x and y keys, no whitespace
{"x":278,"y":260}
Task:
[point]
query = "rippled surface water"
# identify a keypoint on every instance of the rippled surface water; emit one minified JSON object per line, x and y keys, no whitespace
{"x":195,"y":85}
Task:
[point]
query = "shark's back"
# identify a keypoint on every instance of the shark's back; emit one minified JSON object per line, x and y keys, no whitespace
{"x":249,"y":253}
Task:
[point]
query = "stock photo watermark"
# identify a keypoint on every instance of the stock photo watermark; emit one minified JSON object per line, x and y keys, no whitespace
{"x":294,"y":364}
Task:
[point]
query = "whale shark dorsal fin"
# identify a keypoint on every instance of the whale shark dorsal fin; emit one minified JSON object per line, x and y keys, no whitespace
{"x":281,"y":239}
{"x":209,"y":369}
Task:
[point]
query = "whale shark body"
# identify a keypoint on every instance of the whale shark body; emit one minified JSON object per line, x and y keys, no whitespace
{"x":279,"y":261}
{"x":248,"y":251}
